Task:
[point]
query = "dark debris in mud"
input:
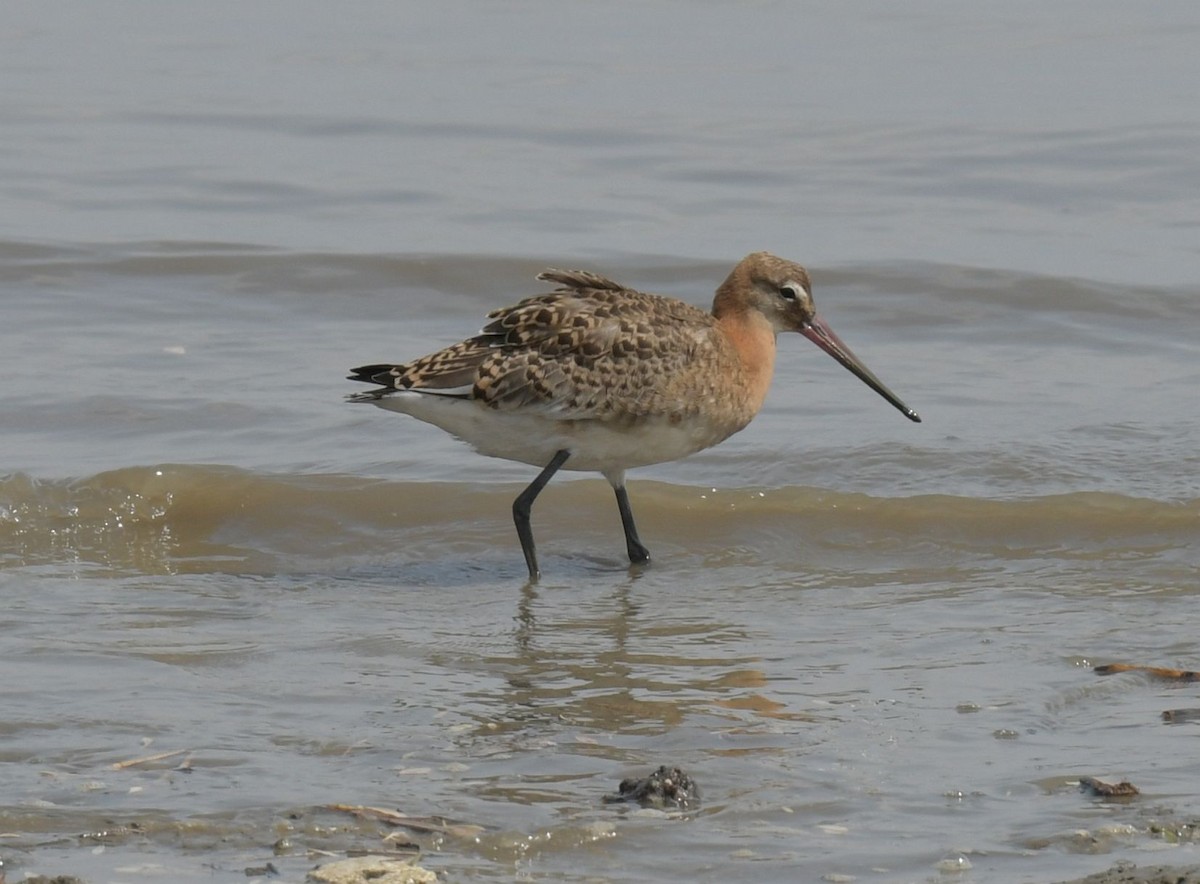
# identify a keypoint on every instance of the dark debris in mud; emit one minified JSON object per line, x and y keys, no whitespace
{"x":1101,"y":789}
{"x":665,"y":788}
{"x":1129,"y":873}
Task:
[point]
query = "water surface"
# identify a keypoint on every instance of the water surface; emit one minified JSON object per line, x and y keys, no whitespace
{"x":870,"y":641}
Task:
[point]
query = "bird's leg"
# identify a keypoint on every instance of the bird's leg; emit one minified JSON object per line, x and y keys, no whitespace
{"x":638,"y":554}
{"x":524,"y":503}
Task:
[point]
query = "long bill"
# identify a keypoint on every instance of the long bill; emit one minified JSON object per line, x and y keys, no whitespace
{"x":823,"y":336}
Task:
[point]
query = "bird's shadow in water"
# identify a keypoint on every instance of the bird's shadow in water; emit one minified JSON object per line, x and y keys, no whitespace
{"x":565,"y":576}
{"x":624,"y":610}
{"x":449,"y":572}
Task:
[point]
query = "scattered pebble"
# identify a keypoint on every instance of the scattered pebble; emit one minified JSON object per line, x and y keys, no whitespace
{"x":371,"y":870}
{"x":1101,"y":789}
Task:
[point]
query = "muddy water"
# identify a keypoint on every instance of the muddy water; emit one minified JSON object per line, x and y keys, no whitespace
{"x":869,"y":641}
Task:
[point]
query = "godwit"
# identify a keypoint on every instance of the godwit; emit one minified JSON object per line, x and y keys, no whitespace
{"x":595,"y":376}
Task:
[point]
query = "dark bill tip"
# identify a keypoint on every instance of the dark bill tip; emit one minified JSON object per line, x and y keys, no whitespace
{"x":823,"y":336}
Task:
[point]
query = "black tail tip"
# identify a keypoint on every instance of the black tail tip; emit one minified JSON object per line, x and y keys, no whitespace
{"x":368,"y":374}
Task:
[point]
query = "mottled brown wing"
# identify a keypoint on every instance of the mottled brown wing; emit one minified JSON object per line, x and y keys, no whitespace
{"x":591,"y":349}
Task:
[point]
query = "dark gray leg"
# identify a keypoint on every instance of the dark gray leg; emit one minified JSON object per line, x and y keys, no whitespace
{"x":524,"y":503}
{"x":638,"y":554}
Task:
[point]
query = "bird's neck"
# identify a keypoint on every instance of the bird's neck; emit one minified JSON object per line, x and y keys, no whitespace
{"x":753,"y":341}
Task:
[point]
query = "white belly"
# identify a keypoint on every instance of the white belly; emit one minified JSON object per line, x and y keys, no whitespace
{"x":595,"y":445}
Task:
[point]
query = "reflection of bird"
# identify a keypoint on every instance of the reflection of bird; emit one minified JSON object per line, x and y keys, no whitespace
{"x":595,"y":376}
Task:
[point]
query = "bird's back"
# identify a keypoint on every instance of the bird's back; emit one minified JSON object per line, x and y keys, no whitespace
{"x":591,"y":349}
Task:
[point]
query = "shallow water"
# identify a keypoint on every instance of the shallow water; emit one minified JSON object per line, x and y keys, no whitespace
{"x":869,"y":641}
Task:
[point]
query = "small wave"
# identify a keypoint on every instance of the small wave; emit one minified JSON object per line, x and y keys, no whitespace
{"x":175,"y":518}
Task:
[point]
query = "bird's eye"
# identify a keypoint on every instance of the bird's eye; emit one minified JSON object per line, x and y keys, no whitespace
{"x":789,"y":291}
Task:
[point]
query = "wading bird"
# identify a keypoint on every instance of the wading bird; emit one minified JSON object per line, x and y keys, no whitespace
{"x":596,"y":376}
